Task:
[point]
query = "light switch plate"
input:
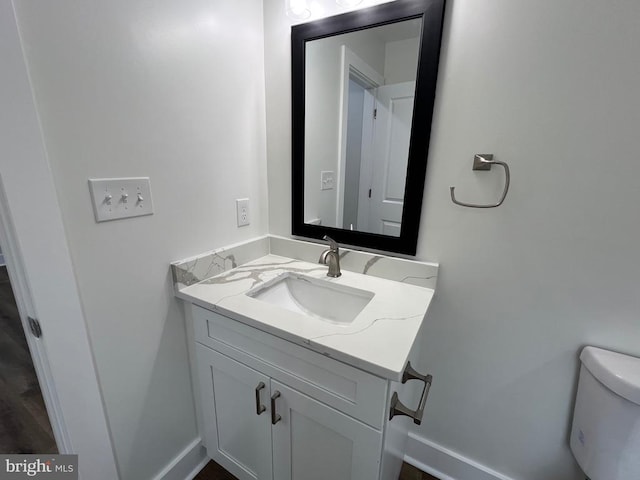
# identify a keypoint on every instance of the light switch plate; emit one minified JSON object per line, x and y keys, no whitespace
{"x":326,"y":180}
{"x":115,"y":198}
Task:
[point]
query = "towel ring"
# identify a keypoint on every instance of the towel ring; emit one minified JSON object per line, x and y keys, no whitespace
{"x":484,"y":162}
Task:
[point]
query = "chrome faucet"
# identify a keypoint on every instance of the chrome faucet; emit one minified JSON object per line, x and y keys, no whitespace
{"x":331,"y":257}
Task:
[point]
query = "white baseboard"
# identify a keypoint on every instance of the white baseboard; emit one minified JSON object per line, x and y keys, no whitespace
{"x":445,"y":464}
{"x":423,"y":454}
{"x":186,"y":464}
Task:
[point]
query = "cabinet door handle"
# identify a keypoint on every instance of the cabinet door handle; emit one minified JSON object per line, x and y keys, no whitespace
{"x":275,"y":418}
{"x":398,"y":408}
{"x":259,"y":408}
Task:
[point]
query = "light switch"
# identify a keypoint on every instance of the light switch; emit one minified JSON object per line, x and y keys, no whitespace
{"x":326,"y":180}
{"x":115,"y":198}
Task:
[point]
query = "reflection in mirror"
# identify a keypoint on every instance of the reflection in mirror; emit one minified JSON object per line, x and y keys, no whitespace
{"x":363,"y":86}
{"x":359,"y":98}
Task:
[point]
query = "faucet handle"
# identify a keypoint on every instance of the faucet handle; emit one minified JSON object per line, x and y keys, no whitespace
{"x":333,"y":245}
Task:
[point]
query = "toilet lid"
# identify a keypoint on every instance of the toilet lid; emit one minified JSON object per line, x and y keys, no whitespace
{"x":618,"y":372}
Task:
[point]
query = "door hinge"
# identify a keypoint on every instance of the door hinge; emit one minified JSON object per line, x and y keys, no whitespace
{"x":34,"y":325}
{"x":375,"y":113}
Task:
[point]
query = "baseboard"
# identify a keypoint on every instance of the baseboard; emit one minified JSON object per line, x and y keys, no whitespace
{"x":186,"y":464}
{"x":445,"y":464}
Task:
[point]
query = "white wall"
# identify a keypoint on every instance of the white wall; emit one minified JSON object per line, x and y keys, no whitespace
{"x":42,"y":277}
{"x":175,"y":91}
{"x":552,"y":88}
{"x":401,"y":60}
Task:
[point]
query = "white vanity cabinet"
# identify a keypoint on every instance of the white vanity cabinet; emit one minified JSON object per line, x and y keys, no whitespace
{"x":234,"y":435}
{"x":273,"y":410}
{"x":292,"y":437}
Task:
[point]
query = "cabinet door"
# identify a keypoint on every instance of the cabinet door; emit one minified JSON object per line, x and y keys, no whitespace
{"x":312,"y":441}
{"x":236,"y":436}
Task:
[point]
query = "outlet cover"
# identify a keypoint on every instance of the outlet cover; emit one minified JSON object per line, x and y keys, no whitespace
{"x":326,"y":180}
{"x":242,"y":211}
{"x":116,"y":198}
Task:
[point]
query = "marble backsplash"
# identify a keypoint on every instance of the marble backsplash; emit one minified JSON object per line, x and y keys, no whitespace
{"x":196,"y":269}
{"x":422,"y":274}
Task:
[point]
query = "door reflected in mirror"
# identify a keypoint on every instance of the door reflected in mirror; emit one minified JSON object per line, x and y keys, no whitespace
{"x":359,"y":102}
{"x":363,"y":86}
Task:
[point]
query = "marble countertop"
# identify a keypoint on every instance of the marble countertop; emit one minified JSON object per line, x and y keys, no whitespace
{"x":379,"y":340}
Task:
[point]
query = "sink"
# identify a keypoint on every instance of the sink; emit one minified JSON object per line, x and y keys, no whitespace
{"x":313,"y":297}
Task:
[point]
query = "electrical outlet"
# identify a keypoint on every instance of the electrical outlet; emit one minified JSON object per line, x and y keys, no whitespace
{"x":326,"y":180}
{"x":242,"y":211}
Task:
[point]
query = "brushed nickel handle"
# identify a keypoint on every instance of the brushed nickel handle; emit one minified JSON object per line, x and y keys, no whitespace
{"x":398,"y":408}
{"x":259,"y":407}
{"x":275,"y":418}
{"x":484,"y":162}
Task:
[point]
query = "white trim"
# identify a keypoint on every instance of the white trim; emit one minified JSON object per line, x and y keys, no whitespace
{"x":20,"y":288}
{"x":197,"y":469}
{"x":350,"y":62}
{"x":187,"y":464}
{"x":366,"y":161}
{"x":444,"y":463}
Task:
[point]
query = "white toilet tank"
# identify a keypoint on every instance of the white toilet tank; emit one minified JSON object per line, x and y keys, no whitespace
{"x":605,"y":436}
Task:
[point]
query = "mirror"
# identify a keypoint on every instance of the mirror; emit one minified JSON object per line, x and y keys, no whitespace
{"x":363,"y":93}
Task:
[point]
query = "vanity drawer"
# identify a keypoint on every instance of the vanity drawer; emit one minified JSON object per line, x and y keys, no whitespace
{"x":345,"y":388}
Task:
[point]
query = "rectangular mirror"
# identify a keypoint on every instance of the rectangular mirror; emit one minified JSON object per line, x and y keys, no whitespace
{"x":363,"y":94}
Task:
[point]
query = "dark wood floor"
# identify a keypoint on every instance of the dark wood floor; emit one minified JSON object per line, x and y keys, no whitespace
{"x":213,"y":471}
{"x":409,"y":472}
{"x":24,"y":423}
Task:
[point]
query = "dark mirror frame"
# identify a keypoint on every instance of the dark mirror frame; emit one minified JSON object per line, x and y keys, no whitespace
{"x":432,"y":14}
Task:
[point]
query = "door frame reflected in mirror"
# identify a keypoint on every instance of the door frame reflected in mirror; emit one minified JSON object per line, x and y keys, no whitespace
{"x":354,"y":68}
{"x":432,"y":13}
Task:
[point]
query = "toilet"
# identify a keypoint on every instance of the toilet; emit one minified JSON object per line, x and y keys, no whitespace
{"x":605,"y":436}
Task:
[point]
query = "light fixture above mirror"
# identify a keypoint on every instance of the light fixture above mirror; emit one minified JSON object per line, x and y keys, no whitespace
{"x":297,"y":9}
{"x":302,"y":9}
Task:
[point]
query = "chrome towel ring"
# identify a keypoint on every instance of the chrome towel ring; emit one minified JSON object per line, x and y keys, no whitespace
{"x":483,"y":162}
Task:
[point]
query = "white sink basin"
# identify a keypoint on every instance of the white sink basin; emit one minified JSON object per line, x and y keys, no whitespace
{"x":313,"y":297}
